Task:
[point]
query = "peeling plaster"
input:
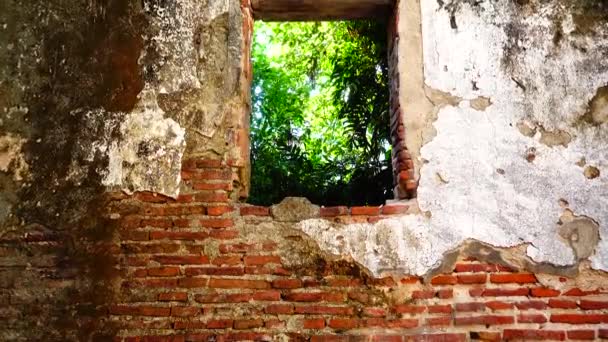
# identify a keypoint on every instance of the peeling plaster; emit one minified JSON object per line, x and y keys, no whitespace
{"x":149,"y":155}
{"x":535,"y":84}
{"x":496,"y":171}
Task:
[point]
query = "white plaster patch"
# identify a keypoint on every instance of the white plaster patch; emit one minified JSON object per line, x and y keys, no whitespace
{"x":402,"y":246}
{"x":482,"y":179}
{"x":149,"y":155}
{"x":543,"y":84}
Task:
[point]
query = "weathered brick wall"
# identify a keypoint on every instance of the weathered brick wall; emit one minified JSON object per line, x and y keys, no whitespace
{"x":194,"y":269}
{"x":100,"y":99}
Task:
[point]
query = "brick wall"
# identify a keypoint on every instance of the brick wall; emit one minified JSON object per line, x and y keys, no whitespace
{"x":191,"y":271}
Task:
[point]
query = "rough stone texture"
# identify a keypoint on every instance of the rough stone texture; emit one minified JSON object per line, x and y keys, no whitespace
{"x":293,"y":209}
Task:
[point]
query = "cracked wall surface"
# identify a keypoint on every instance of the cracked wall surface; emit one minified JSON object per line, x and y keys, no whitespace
{"x":499,"y":111}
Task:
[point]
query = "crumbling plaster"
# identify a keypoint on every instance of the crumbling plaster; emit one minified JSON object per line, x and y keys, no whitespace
{"x":190,"y":62}
{"x":488,"y":69}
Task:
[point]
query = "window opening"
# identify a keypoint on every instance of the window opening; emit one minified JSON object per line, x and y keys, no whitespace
{"x":320,"y":125}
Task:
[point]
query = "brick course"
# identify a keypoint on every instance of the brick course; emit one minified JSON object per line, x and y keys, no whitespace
{"x":246,"y":291}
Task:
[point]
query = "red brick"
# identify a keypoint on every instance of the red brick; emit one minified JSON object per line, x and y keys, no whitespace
{"x":181,"y":260}
{"x":343,"y":323}
{"x":333,"y":211}
{"x":286,"y":283}
{"x":227,"y":260}
{"x":394,"y":209}
{"x":163,"y":271}
{"x":227,"y":186}
{"x":445,"y":293}
{"x":483,"y":320}
{"x":341,"y":282}
{"x":438,"y":338}
{"x":217,"y":223}
{"x":225,"y":174}
{"x":544,"y":292}
{"x":562,"y":304}
{"x":135,"y":235}
{"x":579,"y":293}
{"x":267,"y":296}
{"x":438,"y":321}
{"x":410,"y":280}
{"x":324,"y":310}
{"x":581,"y":335}
{"x":228,"y":271}
{"x":444,"y":280}
{"x":410,"y":309}
{"x":374,"y":312}
{"x":579,"y":318}
{"x":173,"y":296}
{"x":242,"y":324}
{"x":151,"y":197}
{"x":316,"y":323}
{"x":602,"y":333}
{"x":472,"y":278}
{"x":475,"y":268}
{"x":193,"y":282}
{"x":533,"y":318}
{"x":439,"y":308}
{"x":496,"y":305}
{"x":403,"y":323}
{"x":500,"y":292}
{"x":192,"y":236}
{"x":521,"y":334}
{"x":219,"y":324}
{"x":259,"y":260}
{"x":371,"y":211}
{"x":140,"y":273}
{"x":533,"y":304}
{"x":330,"y":338}
{"x":374,"y":323}
{"x":211,"y":196}
{"x":219,"y":210}
{"x":423,"y":294}
{"x":279,"y":309}
{"x":238,"y":283}
{"x":255,"y":210}
{"x":185,"y":311}
{"x":224,"y":298}
{"x":469,"y":307}
{"x":223,"y":234}
{"x":592,"y":305}
{"x":519,"y":278}
{"x":208,"y":163}
{"x":305,"y":296}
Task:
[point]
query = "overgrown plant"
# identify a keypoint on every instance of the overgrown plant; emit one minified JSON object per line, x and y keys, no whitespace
{"x":320,"y":121}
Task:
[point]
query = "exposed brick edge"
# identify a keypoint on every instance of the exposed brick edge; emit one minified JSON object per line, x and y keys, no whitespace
{"x":403,"y":166}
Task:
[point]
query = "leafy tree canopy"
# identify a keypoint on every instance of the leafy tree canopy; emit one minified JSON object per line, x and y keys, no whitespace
{"x":320,"y":121}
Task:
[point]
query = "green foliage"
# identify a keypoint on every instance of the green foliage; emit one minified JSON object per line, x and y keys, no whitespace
{"x":320,"y":121}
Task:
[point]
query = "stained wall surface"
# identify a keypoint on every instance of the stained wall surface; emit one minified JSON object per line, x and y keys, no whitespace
{"x":124,"y":163}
